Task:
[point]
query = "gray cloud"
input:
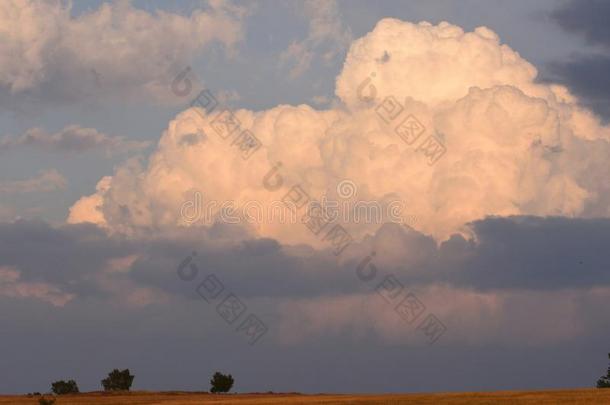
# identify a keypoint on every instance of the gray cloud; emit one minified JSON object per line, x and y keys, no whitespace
{"x":185,"y":339}
{"x":505,"y":253}
{"x":66,"y":257}
{"x":530,"y":253}
{"x":586,"y":17}
{"x":72,"y":138}
{"x":47,"y":180}
{"x":559,"y":260}
{"x":585,"y":74}
{"x":587,"y":77}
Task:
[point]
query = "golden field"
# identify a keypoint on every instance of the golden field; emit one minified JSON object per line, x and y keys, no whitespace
{"x":575,"y":396}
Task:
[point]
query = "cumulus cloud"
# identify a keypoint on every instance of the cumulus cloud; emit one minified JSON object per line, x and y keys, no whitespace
{"x":522,"y":283}
{"x":513,"y":146}
{"x":47,"y":180}
{"x":115,"y":50}
{"x":72,"y":138}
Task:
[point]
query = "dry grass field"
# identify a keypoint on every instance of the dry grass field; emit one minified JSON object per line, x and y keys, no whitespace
{"x":577,"y":396}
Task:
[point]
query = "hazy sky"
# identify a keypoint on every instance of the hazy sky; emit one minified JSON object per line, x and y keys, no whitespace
{"x":476,"y":128}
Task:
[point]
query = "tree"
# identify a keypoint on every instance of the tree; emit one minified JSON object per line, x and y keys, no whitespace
{"x":118,"y":380}
{"x":62,"y":387}
{"x":604,"y":380}
{"x":221,"y":382}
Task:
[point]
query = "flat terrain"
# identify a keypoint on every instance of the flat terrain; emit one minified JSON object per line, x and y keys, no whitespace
{"x":577,"y":396}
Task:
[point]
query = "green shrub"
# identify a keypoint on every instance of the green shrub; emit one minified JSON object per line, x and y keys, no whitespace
{"x":221,"y":382}
{"x":118,"y":380}
{"x":62,"y":387}
{"x":604,"y":380}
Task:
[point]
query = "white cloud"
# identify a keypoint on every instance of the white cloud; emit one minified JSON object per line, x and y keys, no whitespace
{"x":431,"y":63}
{"x":89,"y":208}
{"x":513,"y":146}
{"x":116,"y":49}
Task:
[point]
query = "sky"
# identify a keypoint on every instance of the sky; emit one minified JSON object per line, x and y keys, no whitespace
{"x":314,"y":196}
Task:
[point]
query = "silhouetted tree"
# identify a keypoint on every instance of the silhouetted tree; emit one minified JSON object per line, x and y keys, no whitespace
{"x":221,"y":382}
{"x":604,"y":380}
{"x":62,"y":387}
{"x":118,"y":380}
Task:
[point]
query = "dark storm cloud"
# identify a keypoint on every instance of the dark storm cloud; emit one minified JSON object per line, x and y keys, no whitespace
{"x":586,"y":17}
{"x":176,"y":344}
{"x":585,"y":74}
{"x":522,"y":253}
{"x":253,"y":268}
{"x":531,"y":253}
{"x":67,"y":256}
{"x":509,"y":253}
{"x":71,"y":257}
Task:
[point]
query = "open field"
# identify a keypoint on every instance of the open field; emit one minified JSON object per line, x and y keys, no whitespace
{"x":576,"y":396}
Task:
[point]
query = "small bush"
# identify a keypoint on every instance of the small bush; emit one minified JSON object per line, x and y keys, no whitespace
{"x":44,"y":401}
{"x":604,"y":380}
{"x":221,"y":382}
{"x":62,"y":387}
{"x":118,"y":380}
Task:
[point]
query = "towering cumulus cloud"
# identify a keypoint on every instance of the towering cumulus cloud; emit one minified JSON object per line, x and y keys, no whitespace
{"x":513,"y":146}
